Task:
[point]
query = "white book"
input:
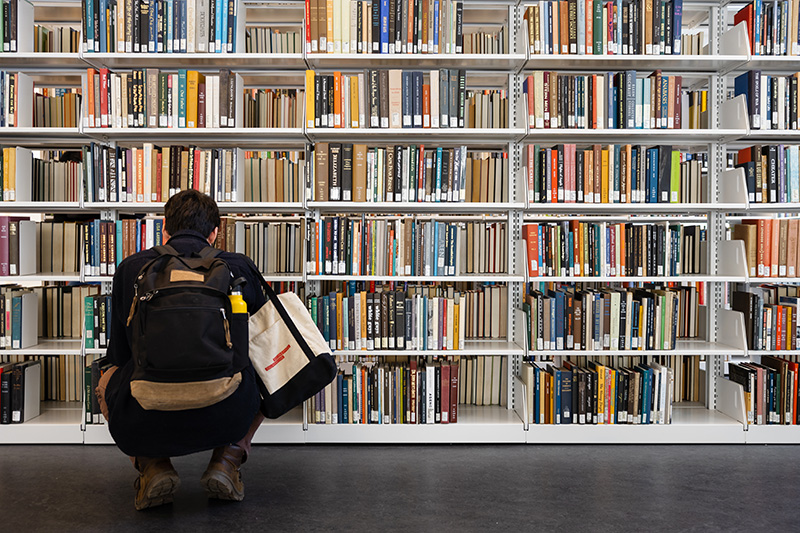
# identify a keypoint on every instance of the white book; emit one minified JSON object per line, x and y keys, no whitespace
{"x":347,"y":23}
{"x":434,"y":80}
{"x":450,"y":324}
{"x":762,"y":124}
{"x":615,"y":304}
{"x":430,"y":393}
{"x":361,"y":101}
{"x":648,"y":122}
{"x":191,"y":17}
{"x":337,"y":26}
{"x":174,"y":100}
{"x":201,"y":26}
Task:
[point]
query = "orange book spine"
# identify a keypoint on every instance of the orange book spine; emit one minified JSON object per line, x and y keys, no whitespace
{"x":337,"y":99}
{"x":774,"y":246}
{"x":140,"y":175}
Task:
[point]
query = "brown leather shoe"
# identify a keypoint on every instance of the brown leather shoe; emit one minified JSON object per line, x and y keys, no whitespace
{"x":222,"y":479}
{"x":157,"y":482}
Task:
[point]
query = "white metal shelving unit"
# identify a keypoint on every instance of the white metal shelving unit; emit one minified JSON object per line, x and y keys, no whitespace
{"x":718,"y":421}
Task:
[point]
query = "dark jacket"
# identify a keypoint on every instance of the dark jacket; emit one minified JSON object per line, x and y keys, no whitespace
{"x":168,"y":433}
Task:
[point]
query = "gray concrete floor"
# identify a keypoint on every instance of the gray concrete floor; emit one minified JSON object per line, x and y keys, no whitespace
{"x":418,"y":488}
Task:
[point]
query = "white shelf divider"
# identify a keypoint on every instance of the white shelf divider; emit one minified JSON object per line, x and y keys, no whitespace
{"x":730,"y":400}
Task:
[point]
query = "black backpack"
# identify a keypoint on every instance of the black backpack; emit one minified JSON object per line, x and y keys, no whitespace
{"x":188,"y":348}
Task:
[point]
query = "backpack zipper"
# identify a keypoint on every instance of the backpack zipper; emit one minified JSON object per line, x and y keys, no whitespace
{"x":227,"y":328}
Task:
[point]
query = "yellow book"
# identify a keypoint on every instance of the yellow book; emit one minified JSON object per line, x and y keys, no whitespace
{"x":601,"y":390}
{"x":604,"y":178}
{"x":354,"y":111}
{"x":455,"y":332}
{"x":165,"y":173}
{"x":363,"y":296}
{"x":612,"y":403}
{"x":310,"y":95}
{"x":12,"y":174}
{"x":6,"y":170}
{"x":192,"y":84}
{"x":331,"y":15}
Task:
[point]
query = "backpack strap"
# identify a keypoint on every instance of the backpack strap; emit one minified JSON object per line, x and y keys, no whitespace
{"x":209,"y":252}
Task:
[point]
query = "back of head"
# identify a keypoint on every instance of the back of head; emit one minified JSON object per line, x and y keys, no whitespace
{"x":191,"y":210}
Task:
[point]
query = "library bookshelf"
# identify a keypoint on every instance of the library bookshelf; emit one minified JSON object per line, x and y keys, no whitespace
{"x":718,"y":418}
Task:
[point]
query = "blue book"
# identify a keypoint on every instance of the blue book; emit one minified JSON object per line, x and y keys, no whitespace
{"x":757,"y":27}
{"x":326,"y":303}
{"x":168,"y":17}
{"x":221,"y":9}
{"x":598,"y":303}
{"x":184,"y":32}
{"x":566,"y":396}
{"x":103,"y":37}
{"x":182,"y":98}
{"x":664,"y":100}
{"x":96,"y":256}
{"x":537,"y":391}
{"x":118,"y":241}
{"x":153,"y":23}
{"x":553,"y":335}
{"x":782,"y":189}
{"x":332,"y":321}
{"x":652,"y":175}
{"x":90,"y":37}
{"x":677,"y":16}
{"x":157,"y":230}
{"x":571,"y":253}
{"x":436,"y":225}
{"x":436,"y":26}
{"x":438,"y":188}
{"x":557,"y":395}
{"x":340,"y":401}
{"x":540,"y":250}
{"x":344,"y":409}
{"x":16,"y":322}
{"x":384,"y":26}
{"x":407,"y":100}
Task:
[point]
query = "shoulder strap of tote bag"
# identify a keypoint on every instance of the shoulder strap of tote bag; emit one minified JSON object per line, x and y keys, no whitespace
{"x":284,"y":314}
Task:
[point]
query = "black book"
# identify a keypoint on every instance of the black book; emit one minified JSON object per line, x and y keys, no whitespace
{"x":667,"y":23}
{"x":459,"y":27}
{"x":376,"y":28}
{"x":17,"y":393}
{"x":793,"y":88}
{"x":626,"y":30}
{"x":374,"y":103}
{"x":335,"y":172}
{"x":96,"y":26}
{"x":664,"y":172}
{"x":566,"y":396}
{"x":359,"y":28}
{"x":347,"y":172}
{"x":384,"y":322}
{"x":398,"y":174}
{"x":445,"y":173}
{"x":772,"y":171}
{"x":560,"y":173}
{"x":318,"y":101}
{"x":325,"y":111}
{"x":5,"y":393}
{"x":376,"y":321}
{"x":399,"y":320}
{"x":331,"y":106}
{"x":390,"y":314}
{"x":422,"y":395}
{"x":462,"y":96}
{"x":437,"y":398}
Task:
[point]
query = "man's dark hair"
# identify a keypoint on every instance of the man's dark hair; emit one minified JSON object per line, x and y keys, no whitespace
{"x":191,"y":210}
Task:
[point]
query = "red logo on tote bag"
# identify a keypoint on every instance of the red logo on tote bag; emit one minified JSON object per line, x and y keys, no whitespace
{"x":278,"y":358}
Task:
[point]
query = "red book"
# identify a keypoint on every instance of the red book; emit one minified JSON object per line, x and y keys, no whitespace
{"x":532,"y":241}
{"x":201,"y":105}
{"x":546,"y":93}
{"x":454,"y":392}
{"x":746,"y":15}
{"x":308,"y":26}
{"x":554,"y":176}
{"x":104,"y":118}
{"x":198,"y":179}
{"x":159,"y":159}
{"x":677,"y":101}
{"x":445,"y":394}
{"x":531,"y":101}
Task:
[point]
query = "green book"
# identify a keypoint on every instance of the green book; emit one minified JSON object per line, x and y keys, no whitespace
{"x":675,"y":178}
{"x":182,"y":98}
{"x":88,"y":321}
{"x":597,"y":28}
{"x":163,"y":92}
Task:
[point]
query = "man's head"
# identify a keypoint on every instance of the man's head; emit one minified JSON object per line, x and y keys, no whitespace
{"x":191,"y":210}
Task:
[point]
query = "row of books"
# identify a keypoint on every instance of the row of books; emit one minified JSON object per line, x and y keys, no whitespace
{"x":413,"y":392}
{"x":56,"y":107}
{"x":591,"y":393}
{"x":273,"y":176}
{"x":8,"y":25}
{"x":264,"y":40}
{"x":163,"y":26}
{"x":576,"y":248}
{"x":772,"y":27}
{"x":20,"y":391}
{"x":402,"y":99}
{"x":770,"y":246}
{"x":417,"y":318}
{"x":154,"y":173}
{"x":361,"y":173}
{"x":97,"y":321}
{"x":19,"y":309}
{"x":613,"y":100}
{"x":58,"y":379}
{"x":273,"y":108}
{"x":770,"y":315}
{"x":149,"y":98}
{"x":106,"y":243}
{"x":772,"y":101}
{"x":96,"y":366}
{"x":12,"y":84}
{"x":61,"y":313}
{"x":405,"y":247}
{"x":275,"y":247}
{"x":56,"y":39}
{"x":602,"y":27}
{"x":770,"y":389}
{"x":610,"y":318}
{"x":772,"y":173}
{"x":56,"y":176}
{"x":384,"y":27}
{"x":615,"y":174}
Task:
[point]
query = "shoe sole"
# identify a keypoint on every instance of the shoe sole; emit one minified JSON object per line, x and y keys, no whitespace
{"x":160,"y":491}
{"x":220,"y":487}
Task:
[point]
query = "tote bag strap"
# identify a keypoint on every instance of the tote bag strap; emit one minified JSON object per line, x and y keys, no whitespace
{"x":284,"y":314}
